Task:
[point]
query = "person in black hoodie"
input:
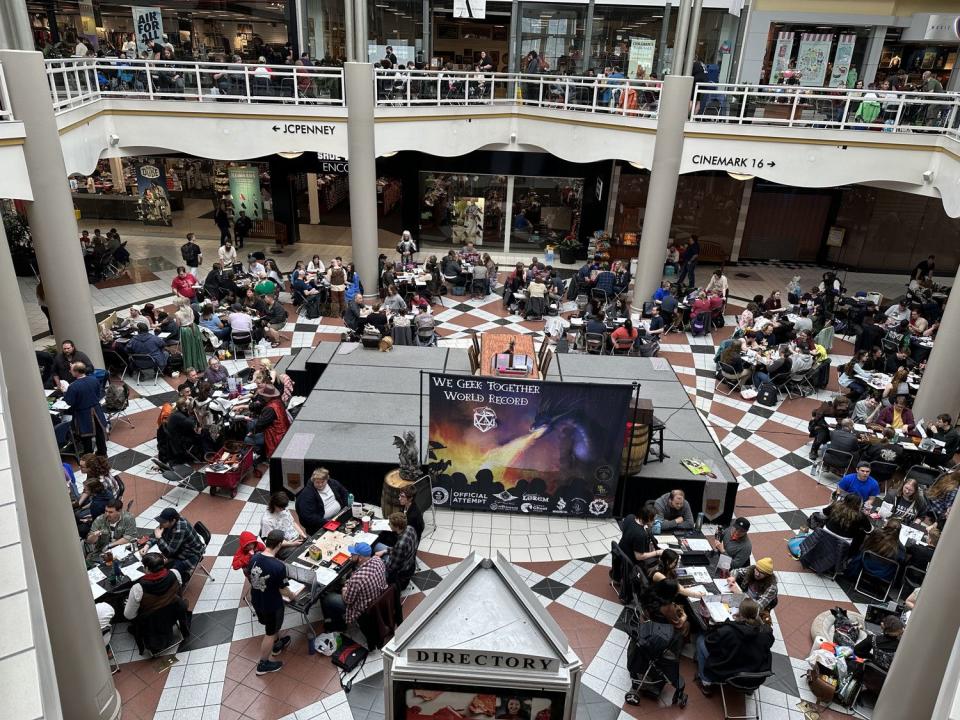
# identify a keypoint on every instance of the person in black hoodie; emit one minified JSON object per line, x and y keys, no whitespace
{"x":319,"y":501}
{"x":733,"y":647}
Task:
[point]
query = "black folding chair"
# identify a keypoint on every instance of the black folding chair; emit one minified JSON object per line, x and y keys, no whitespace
{"x":882,"y":582}
{"x":746,"y":683}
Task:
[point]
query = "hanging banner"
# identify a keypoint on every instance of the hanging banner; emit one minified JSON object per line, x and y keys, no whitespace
{"x":841,"y":60}
{"x":147,"y":26}
{"x":245,"y":192}
{"x":88,"y":23}
{"x":813,"y":57}
{"x":154,"y":205}
{"x":476,"y":9}
{"x":641,"y":55}
{"x":780,"y":65}
{"x":506,"y":445}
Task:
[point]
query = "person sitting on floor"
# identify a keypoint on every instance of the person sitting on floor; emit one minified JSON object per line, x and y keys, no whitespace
{"x":673,"y":513}
{"x":880,"y":649}
{"x":758,"y":582}
{"x":740,"y":645}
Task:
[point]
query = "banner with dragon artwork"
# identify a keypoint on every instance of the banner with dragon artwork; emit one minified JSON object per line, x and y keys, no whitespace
{"x":507,"y":445}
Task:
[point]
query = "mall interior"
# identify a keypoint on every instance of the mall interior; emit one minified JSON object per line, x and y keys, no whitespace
{"x":490,"y":359}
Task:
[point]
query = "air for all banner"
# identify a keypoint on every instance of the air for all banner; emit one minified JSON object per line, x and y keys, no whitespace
{"x":812,"y":58}
{"x":506,"y":445}
{"x":781,"y":57}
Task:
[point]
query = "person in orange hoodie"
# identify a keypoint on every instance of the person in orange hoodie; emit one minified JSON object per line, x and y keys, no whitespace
{"x":250,"y":545}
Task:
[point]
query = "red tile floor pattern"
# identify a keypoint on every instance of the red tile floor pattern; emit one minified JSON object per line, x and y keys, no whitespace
{"x":218,"y":680}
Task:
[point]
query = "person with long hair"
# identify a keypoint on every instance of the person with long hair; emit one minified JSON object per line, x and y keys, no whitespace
{"x":666,"y":569}
{"x":758,"y":582}
{"x":884,"y":542}
{"x":897,"y":385}
{"x":942,"y":494}
{"x":730,"y":648}
{"x":277,"y":516}
{"x":854,"y":377}
{"x":907,"y":500}
{"x":845,"y":518}
{"x":732,"y":356}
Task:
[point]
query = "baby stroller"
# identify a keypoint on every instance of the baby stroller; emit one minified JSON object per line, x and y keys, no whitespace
{"x":650,"y":664}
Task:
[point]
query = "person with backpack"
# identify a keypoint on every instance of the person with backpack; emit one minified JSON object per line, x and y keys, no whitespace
{"x":192,"y":255}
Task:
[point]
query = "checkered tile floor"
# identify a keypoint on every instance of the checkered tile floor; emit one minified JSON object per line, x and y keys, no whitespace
{"x":565,"y":561}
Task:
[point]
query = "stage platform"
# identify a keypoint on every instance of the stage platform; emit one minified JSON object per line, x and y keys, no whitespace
{"x":363,"y":398}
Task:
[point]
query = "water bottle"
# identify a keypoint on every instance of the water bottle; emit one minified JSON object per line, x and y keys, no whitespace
{"x":655,"y":527}
{"x":116,"y":572}
{"x":699,"y":523}
{"x":350,"y":500}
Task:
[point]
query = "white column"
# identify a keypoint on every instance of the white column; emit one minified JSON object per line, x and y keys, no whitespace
{"x":691,"y":49}
{"x":658,"y":213}
{"x":508,"y":214}
{"x":15,"y":31}
{"x":680,"y":38}
{"x":116,"y":170}
{"x":362,"y":157}
{"x":939,"y":391}
{"x":53,"y":224}
{"x":871,"y":59}
{"x":741,"y":220}
{"x":313,"y":199}
{"x":917,"y":672}
{"x":79,"y":673}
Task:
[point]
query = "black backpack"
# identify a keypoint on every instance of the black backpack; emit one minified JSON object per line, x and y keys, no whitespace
{"x":767,"y":395}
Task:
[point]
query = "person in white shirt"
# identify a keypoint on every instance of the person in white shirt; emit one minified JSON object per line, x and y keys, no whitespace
{"x":81,"y":50}
{"x":257,"y":268}
{"x":279,"y":517}
{"x":897,"y":313}
{"x":239,"y":320}
{"x":129,"y":48}
{"x":260,"y":70}
{"x":316,"y":266}
{"x":718,"y":281}
{"x":227,"y":254}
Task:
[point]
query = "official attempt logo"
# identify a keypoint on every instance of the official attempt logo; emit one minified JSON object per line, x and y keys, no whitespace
{"x":440,"y":496}
{"x":484,"y":419}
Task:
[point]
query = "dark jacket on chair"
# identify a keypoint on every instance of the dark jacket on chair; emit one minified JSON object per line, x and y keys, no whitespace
{"x":737,"y":647}
{"x":379,"y":621}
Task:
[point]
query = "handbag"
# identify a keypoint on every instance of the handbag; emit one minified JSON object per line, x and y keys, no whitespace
{"x":350,"y":658}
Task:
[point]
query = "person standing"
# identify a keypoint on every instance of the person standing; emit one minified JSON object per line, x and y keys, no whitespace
{"x":691,"y":253}
{"x":338,"y":286}
{"x":192,"y":255}
{"x":83,"y":396}
{"x":268,"y":586}
{"x":228,"y":255}
{"x":222,"y":220}
{"x":242,"y":228}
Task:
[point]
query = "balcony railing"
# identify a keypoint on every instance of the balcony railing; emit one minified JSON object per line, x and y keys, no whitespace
{"x":76,"y":82}
{"x":835,"y":108}
{"x":620,"y":96}
{"x":6,"y":113}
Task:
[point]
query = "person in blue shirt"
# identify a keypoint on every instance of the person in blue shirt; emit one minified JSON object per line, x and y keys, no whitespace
{"x":146,"y":343}
{"x":662,"y":291}
{"x":860,"y":482}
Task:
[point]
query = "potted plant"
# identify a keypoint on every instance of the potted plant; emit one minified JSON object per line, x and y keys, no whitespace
{"x":21,"y":244}
{"x":569,"y":247}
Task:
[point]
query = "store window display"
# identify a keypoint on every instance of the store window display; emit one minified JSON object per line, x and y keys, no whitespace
{"x":462,"y":208}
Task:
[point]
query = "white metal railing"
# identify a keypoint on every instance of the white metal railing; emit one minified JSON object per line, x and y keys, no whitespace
{"x":835,"y":108}
{"x":620,"y":96}
{"x":75,"y":82}
{"x":6,"y":113}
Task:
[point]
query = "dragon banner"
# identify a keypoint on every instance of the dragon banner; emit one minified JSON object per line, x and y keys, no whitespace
{"x":507,"y":445}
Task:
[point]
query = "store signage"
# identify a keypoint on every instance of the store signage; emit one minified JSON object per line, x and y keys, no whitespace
{"x":781,"y":59}
{"x":812,"y":58}
{"x":732,"y":162}
{"x":304,"y":129}
{"x":148,"y":26}
{"x":942,"y":27}
{"x":470,"y":9}
{"x":482,"y":659}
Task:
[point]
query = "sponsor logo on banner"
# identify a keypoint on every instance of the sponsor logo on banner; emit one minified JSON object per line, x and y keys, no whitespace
{"x":534,"y":507}
{"x":598,"y":507}
{"x":440,"y":496}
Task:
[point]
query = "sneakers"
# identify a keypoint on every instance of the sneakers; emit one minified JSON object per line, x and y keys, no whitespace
{"x":268,"y":666}
{"x":279,"y":646}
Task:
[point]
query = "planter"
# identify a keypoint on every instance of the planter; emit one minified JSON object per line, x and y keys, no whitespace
{"x":568,"y":255}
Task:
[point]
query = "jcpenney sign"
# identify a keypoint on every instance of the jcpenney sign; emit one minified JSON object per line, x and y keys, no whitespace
{"x":482,"y":659}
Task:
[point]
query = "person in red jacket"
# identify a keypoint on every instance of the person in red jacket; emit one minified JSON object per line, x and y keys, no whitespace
{"x":249,"y":546}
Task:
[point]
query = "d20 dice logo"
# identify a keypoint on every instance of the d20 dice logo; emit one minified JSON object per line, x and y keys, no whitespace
{"x":484,"y":419}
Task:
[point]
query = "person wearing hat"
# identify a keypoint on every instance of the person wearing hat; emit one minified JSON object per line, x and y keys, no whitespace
{"x":860,"y":483}
{"x":363,"y":588}
{"x":272,"y":423}
{"x":180,"y":544}
{"x":758,"y":582}
{"x":735,"y":543}
{"x":268,"y":586}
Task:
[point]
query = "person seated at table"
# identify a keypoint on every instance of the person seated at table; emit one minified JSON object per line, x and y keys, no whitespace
{"x":896,"y":314}
{"x":657,"y":326}
{"x":97,"y":467}
{"x":718,"y":283}
{"x":167,"y":324}
{"x":907,"y":501}
{"x":942,"y":494}
{"x":159,"y":587}
{"x":865,"y":410}
{"x":277,"y":516}
{"x":918,"y":324}
{"x":319,"y":501}
{"x":884,"y":542}
{"x":701,"y":304}
{"x":803,"y":321}
{"x":880,"y":649}
{"x":513,"y":285}
{"x":781,"y":366}
{"x":765,"y":337}
{"x":91,"y":505}
{"x":838,"y":408}
{"x":637,"y":541}
{"x":668,"y":306}
{"x":112,"y":528}
{"x":274,"y":319}
{"x":191,"y":380}
{"x":898,"y":416}
{"x":853,"y":376}
{"x":666,"y":569}
{"x":378,"y":319}
{"x":353,"y":314}
{"x":735,"y":544}
{"x":888,"y":450}
{"x":215,"y":374}
{"x":605,"y":280}
{"x":180,"y":544}
{"x":400,"y":559}
{"x":758,"y":582}
{"x":732,"y":356}
{"x":595,"y":324}
{"x":394,"y":301}
{"x":64,"y":359}
{"x":944,"y":431}
{"x":673,"y":513}
{"x":860,"y":483}
{"x":661,"y":602}
{"x":773,"y":302}
{"x":843,"y":438}
{"x":212,"y":322}
{"x":662,"y":291}
{"x":740,"y":645}
{"x":537,"y":288}
{"x":363,"y":589}
{"x":919,"y":555}
{"x":716,"y":300}
{"x":625,"y":335}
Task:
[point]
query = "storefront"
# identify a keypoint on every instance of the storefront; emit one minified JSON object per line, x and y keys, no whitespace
{"x":815,"y":55}
{"x":930,"y":43}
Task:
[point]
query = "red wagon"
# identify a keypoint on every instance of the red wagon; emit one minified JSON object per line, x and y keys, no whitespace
{"x":229,"y":466}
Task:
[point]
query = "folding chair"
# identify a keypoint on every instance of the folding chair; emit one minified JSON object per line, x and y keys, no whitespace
{"x":621,"y":346}
{"x":240,"y":340}
{"x":119,"y":413}
{"x":729,"y":376}
{"x":746,"y":683}
{"x":873,"y":678}
{"x":593,"y":343}
{"x":883,"y":472}
{"x":545,"y":365}
{"x":913,"y":578}
{"x":886,"y":584}
{"x":204,"y":532}
{"x":111,"y":655}
{"x":834,"y":459}
{"x":924,"y":475}
{"x":140,"y":363}
{"x":180,"y":475}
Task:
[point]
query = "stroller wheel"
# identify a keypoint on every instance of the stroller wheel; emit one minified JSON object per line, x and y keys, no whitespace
{"x":632,"y":698}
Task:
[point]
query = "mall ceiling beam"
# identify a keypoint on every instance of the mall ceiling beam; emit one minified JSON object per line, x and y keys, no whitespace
{"x":53,"y":223}
{"x":15,"y":33}
{"x":664,"y":175}
{"x":358,"y":80}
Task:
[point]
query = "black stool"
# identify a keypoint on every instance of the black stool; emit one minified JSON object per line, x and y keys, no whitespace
{"x":656,"y":438}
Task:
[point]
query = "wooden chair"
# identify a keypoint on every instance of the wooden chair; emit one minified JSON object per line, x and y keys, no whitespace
{"x":474,"y":356}
{"x":544,"y":364}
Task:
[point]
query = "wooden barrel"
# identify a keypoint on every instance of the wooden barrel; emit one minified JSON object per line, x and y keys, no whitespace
{"x":633,"y":454}
{"x":390,"y":497}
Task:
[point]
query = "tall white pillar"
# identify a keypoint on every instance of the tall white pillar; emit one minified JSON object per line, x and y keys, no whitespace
{"x":362,"y":158}
{"x":662,"y":193}
{"x":508,"y":214}
{"x":871,"y":58}
{"x":680,"y":38}
{"x":53,"y":224}
{"x":313,"y":199}
{"x":694,"y":33}
{"x":15,"y":31}
{"x":913,"y":683}
{"x":939,"y":391}
{"x":79,"y":663}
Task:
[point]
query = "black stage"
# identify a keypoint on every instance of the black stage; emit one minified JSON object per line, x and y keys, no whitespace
{"x":364,"y":397}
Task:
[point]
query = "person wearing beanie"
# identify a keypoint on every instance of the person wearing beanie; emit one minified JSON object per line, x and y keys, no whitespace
{"x":757,"y":582}
{"x":735,"y":543}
